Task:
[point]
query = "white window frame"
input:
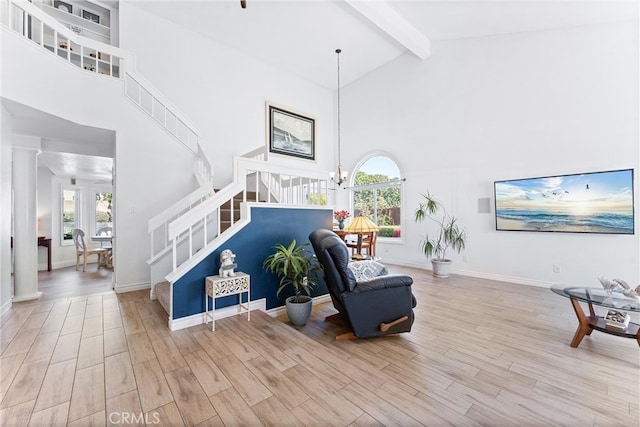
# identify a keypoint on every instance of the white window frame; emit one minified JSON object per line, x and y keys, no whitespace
{"x":92,"y":208}
{"x":78,"y":214}
{"x":399,"y":182}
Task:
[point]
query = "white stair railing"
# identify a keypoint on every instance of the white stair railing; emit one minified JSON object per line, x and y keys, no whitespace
{"x":198,"y":232}
{"x":159,"y":224}
{"x":161,"y":244}
{"x":143,"y":94}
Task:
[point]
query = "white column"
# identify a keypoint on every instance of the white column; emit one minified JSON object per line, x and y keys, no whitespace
{"x":25,"y":223}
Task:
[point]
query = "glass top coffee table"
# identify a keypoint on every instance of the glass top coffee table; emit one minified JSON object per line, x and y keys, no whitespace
{"x":599,"y":297}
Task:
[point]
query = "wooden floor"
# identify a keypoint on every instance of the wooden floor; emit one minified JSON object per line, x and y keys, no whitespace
{"x":480,"y":353}
{"x":68,"y":282}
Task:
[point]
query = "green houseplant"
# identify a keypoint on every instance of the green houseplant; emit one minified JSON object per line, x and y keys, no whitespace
{"x":450,"y":234}
{"x":296,"y":268}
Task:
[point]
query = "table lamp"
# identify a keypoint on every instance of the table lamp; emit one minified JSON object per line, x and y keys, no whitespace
{"x":360,"y":224}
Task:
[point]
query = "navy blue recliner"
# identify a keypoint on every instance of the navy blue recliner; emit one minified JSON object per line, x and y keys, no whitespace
{"x":379,"y":306}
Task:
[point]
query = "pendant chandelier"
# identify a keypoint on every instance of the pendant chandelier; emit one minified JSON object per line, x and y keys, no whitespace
{"x":342,"y":174}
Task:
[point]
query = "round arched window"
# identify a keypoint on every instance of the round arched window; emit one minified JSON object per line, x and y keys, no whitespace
{"x":377,"y":186}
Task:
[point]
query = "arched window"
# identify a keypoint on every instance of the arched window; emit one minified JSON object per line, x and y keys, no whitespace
{"x":377,"y":194}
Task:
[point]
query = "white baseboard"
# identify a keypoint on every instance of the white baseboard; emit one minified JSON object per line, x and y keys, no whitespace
{"x":221,"y":313}
{"x":27,"y":297}
{"x":508,"y":279}
{"x":67,"y":263}
{"x":119,"y":289}
{"x":490,"y":276}
{"x":5,"y":307}
{"x":63,"y":264}
{"x":275,"y":312}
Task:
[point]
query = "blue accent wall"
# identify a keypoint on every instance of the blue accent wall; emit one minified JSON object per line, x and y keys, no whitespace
{"x":251,"y":245}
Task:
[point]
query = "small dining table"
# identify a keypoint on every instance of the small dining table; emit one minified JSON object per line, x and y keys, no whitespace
{"x":101,"y":239}
{"x":105,"y":239}
{"x":44,"y":242}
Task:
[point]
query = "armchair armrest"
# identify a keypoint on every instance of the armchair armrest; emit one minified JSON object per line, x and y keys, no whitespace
{"x":383,"y":299}
{"x":382,"y":282}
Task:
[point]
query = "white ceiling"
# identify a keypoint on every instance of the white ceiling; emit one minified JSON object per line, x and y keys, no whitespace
{"x":68,"y":149}
{"x":301,"y":36}
{"x":92,"y":168}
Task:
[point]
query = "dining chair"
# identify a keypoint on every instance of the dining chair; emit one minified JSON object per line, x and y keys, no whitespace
{"x":82,"y":250}
{"x":368,"y":243}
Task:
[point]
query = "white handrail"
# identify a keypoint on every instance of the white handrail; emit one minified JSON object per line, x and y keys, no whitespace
{"x":260,"y":153}
{"x":197,"y":214}
{"x":283,"y":185}
{"x":16,"y":20}
{"x":182,"y":224}
{"x":180,"y":206}
{"x":150,"y":100}
{"x":159,"y":224}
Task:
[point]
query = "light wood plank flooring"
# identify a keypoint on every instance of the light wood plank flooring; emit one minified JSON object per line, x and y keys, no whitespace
{"x":68,"y":282}
{"x":480,"y":353}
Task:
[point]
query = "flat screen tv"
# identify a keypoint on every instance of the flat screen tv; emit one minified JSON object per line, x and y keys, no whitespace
{"x":594,"y":202}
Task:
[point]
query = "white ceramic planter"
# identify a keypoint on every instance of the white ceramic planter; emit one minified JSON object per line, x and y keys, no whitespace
{"x":441,"y":268}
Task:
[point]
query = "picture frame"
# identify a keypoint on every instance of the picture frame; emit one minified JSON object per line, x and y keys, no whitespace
{"x":63,"y":6}
{"x":291,"y":133}
{"x":91,"y":16}
{"x":590,"y":202}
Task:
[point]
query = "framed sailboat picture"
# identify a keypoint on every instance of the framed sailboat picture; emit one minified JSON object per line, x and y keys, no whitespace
{"x":291,"y":133}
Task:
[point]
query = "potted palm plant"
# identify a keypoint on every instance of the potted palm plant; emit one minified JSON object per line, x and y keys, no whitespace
{"x":450,"y":234}
{"x":296,"y":268}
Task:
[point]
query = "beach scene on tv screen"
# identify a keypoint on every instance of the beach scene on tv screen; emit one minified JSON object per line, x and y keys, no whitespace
{"x":597,"y":202}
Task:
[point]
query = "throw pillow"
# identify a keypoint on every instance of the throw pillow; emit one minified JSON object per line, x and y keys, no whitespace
{"x":367,"y":269}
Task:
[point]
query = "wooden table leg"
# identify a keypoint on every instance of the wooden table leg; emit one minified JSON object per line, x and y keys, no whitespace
{"x":584,"y":327}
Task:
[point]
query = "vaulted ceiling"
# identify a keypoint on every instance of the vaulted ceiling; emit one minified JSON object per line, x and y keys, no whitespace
{"x":301,"y":36}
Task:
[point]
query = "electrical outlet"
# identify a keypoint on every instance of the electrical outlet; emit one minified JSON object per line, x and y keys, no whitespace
{"x":464,"y":258}
{"x":556,"y":268}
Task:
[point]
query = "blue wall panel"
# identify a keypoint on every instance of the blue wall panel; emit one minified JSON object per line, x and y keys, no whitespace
{"x":268,"y":227}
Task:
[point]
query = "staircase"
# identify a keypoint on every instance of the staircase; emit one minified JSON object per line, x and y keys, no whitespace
{"x":194,"y":233}
{"x":186,"y":232}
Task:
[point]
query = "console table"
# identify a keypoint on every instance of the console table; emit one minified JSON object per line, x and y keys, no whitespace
{"x":599,"y":297}
{"x":45,"y":242}
{"x":217,"y":287}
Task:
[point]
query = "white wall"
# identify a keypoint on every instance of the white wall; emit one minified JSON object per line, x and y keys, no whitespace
{"x":153,"y":170}
{"x":503,"y":107}
{"x":50,"y":218}
{"x":221,"y":90}
{"x":223,"y":93}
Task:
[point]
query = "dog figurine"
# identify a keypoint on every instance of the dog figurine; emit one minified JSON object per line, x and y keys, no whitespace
{"x":227,"y":263}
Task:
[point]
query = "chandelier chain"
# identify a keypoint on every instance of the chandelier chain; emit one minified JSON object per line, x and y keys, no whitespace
{"x":339,"y":147}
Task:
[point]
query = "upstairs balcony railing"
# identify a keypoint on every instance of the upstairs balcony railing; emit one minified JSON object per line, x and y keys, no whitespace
{"x":84,"y":53}
{"x":108,"y":61}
